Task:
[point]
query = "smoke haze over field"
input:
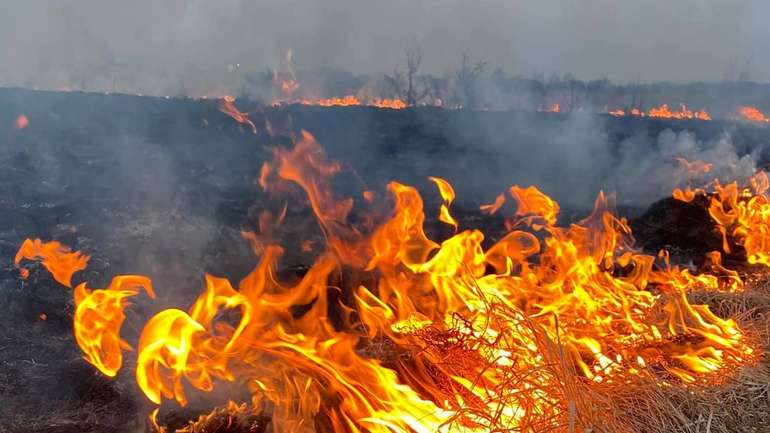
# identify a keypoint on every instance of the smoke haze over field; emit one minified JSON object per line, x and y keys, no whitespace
{"x":150,"y":46}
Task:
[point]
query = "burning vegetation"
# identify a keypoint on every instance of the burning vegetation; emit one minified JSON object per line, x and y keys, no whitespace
{"x":664,"y":112}
{"x":409,"y":89}
{"x":551,"y":327}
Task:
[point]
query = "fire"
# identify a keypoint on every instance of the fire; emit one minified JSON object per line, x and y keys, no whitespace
{"x":752,"y":114}
{"x":744,"y":214}
{"x":227,"y":106}
{"x":694,"y":168}
{"x":664,"y":112}
{"x":553,"y":108}
{"x":352,"y":100}
{"x":290,"y":84}
{"x":344,"y":101}
{"x":60,"y":261}
{"x":21,"y":122}
{"x":686,"y":195}
{"x":99,"y":317}
{"x":394,"y":104}
{"x":448,"y":195}
{"x":492,"y":208}
{"x":426,"y":335}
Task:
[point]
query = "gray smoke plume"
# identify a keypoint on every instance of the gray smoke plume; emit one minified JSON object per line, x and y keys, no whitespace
{"x":198,"y":46}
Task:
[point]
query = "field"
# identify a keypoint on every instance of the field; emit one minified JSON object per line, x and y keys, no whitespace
{"x":163,"y":187}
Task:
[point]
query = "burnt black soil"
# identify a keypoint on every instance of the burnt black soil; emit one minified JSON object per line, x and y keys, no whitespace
{"x":163,"y":188}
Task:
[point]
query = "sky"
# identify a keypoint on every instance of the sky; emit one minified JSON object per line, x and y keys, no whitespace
{"x":150,"y":45}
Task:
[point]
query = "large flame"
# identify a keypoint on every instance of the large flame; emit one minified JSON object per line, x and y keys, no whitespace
{"x":390,"y":331}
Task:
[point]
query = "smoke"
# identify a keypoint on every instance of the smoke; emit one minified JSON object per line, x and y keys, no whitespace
{"x":202,"y":46}
{"x":575,"y":159}
{"x":571,"y":157}
{"x":649,"y":171}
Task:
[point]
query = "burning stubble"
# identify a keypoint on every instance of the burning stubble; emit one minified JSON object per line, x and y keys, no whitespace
{"x":484,"y":339}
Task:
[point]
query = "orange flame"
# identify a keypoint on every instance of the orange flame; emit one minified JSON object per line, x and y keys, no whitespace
{"x":99,"y":317}
{"x":469,"y":328}
{"x":491,"y":209}
{"x":352,"y":100}
{"x":60,"y":261}
{"x":752,"y":114}
{"x":553,"y":108}
{"x":664,"y":112}
{"x":344,"y":101}
{"x":694,"y":168}
{"x":686,"y":195}
{"x":227,"y":106}
{"x":448,"y":195}
{"x":394,"y":104}
{"x":290,"y":84}
{"x":745,"y":215}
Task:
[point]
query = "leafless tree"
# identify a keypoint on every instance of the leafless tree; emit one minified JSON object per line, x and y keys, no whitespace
{"x":413,"y":60}
{"x":467,"y":80}
{"x":407,"y":85}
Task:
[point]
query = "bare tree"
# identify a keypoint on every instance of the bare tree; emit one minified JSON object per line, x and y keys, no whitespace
{"x":409,"y":86}
{"x":467,"y":76}
{"x":413,"y":60}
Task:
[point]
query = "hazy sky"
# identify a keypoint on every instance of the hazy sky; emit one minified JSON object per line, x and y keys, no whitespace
{"x":49,"y":44}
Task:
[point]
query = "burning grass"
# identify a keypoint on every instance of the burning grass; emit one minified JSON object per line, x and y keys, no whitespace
{"x":739,"y":403}
{"x":551,"y":328}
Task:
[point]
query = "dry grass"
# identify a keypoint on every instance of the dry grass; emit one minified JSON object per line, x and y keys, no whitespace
{"x":739,"y":404}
